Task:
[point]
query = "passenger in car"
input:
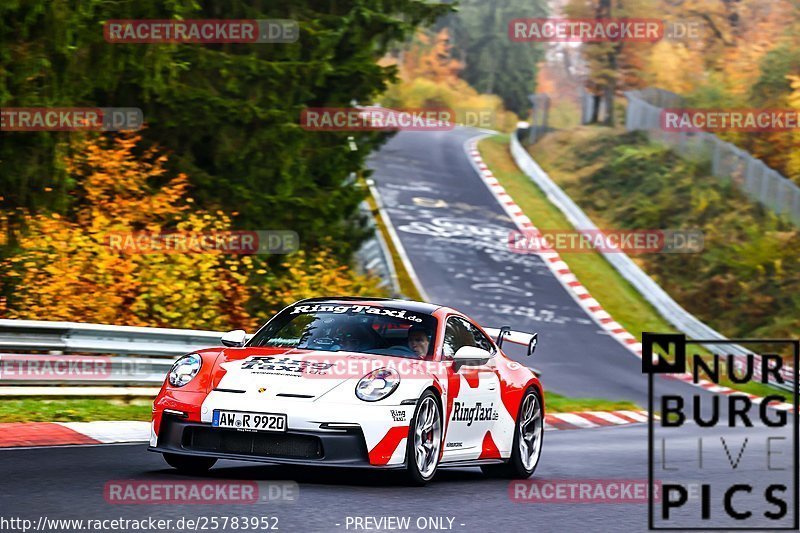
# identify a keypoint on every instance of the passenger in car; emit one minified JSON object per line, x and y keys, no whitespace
{"x":419,"y":340}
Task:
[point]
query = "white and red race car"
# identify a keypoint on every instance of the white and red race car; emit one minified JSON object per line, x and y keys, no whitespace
{"x":357,"y":382}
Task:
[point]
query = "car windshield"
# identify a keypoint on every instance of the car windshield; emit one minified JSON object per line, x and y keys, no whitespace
{"x":353,"y":328}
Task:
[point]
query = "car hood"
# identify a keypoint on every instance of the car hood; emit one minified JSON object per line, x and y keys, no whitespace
{"x":295,"y":373}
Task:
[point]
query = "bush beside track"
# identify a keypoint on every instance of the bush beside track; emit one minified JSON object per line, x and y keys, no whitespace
{"x":746,"y":283}
{"x":74,"y":409}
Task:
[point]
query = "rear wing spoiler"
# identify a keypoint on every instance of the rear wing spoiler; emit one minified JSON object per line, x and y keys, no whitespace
{"x":505,"y":333}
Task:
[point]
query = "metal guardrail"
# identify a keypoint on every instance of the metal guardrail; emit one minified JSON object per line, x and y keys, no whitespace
{"x":374,"y":256}
{"x":77,"y":337}
{"x":121,"y":357}
{"x":94,"y":370}
{"x":728,"y":162}
{"x":649,"y":289}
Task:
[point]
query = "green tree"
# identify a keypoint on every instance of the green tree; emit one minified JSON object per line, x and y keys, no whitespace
{"x":228,"y":114}
{"x":493,"y":64}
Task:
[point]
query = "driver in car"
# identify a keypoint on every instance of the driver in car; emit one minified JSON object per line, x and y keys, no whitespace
{"x":418,"y":341}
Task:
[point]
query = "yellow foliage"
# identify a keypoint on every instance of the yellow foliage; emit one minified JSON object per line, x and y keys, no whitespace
{"x":675,"y":67}
{"x":64,"y":268}
{"x":793,"y":165}
{"x":467,"y":103}
{"x":429,"y":79}
{"x":431,"y":57}
{"x":315,"y":274}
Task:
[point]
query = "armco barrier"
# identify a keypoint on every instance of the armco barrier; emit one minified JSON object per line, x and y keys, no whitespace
{"x":137,"y":356}
{"x":649,"y":289}
{"x":36,"y":335}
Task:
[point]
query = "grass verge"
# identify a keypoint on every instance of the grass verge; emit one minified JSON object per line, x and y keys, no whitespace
{"x":606,"y":285}
{"x":555,"y":403}
{"x":74,"y":409}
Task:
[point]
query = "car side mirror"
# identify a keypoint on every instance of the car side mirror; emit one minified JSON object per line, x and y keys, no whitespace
{"x":235,"y":338}
{"x":471,"y":356}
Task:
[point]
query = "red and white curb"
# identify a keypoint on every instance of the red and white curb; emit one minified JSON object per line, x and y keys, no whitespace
{"x":574,"y":287}
{"x":26,"y":434}
{"x":593,"y":419}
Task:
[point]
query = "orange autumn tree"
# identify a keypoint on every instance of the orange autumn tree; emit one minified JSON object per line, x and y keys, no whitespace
{"x":429,"y":78}
{"x":431,"y":57}
{"x":64,"y":268}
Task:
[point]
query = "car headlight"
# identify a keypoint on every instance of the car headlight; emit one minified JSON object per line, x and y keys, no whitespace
{"x":184,"y":370}
{"x":377,"y":385}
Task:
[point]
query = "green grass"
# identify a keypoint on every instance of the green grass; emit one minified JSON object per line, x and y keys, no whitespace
{"x":555,"y":403}
{"x":74,"y":409}
{"x":606,"y":285}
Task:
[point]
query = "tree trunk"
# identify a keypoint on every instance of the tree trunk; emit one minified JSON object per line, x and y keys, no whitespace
{"x":610,"y":90}
{"x":604,"y":11}
{"x":596,"y":98}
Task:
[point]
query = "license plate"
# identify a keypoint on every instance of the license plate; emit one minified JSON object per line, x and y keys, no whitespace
{"x":248,"y":421}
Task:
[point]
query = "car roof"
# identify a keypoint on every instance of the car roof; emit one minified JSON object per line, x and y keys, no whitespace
{"x":411,"y":305}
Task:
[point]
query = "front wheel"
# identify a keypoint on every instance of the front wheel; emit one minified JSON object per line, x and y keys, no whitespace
{"x":528,"y":436}
{"x":424,"y":440}
{"x":189,"y":464}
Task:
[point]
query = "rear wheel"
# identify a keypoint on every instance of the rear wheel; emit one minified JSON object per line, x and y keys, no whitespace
{"x":424,"y":440}
{"x":189,"y":464}
{"x":528,"y":436}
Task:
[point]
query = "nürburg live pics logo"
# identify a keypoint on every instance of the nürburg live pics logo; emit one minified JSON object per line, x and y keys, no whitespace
{"x":724,"y":451}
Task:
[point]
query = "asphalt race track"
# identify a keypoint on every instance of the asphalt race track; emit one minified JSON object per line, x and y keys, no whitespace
{"x":69,"y":483}
{"x":454,"y":234}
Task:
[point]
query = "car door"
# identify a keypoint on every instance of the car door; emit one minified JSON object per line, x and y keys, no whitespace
{"x":476,"y":403}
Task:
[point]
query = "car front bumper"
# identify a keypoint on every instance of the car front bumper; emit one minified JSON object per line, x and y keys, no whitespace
{"x":344,"y":447}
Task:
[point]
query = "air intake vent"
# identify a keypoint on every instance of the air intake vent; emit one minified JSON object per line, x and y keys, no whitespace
{"x":287,"y":395}
{"x":263,"y":444}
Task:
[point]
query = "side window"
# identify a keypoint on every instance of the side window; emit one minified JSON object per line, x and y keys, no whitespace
{"x":481,"y":340}
{"x":455,"y":336}
{"x":458,"y":332}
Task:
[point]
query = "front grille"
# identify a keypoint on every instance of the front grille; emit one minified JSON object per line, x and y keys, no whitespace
{"x":207,"y":439}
